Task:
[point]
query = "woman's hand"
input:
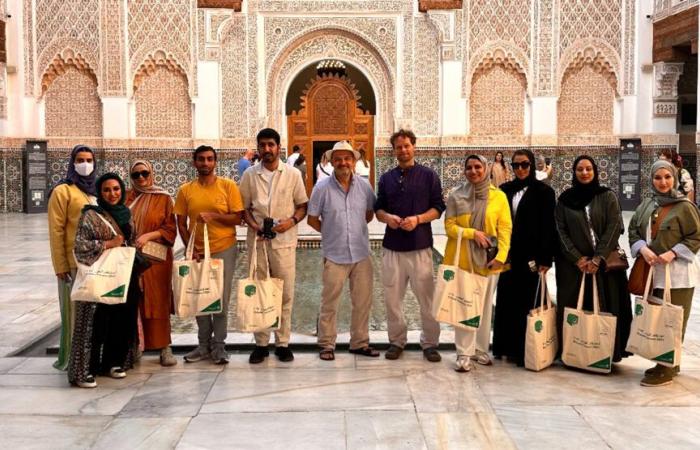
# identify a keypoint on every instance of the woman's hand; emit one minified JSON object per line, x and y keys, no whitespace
{"x":494,"y":264}
{"x":648,"y":255}
{"x":582,"y":264}
{"x":666,"y":258}
{"x":482,"y":239}
{"x":117,"y":241}
{"x":145,"y":238}
{"x":591,"y":267}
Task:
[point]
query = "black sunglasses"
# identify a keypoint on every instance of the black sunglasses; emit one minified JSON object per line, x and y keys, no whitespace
{"x":143,"y":173}
{"x":518,"y":165}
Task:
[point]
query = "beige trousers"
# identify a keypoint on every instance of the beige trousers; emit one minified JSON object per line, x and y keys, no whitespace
{"x":468,"y":342}
{"x":360,"y":275}
{"x":283,"y":266}
{"x":398,"y":269}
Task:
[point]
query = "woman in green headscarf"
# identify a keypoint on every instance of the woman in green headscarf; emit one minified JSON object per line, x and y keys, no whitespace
{"x":674,"y":241}
{"x":103,"y":334}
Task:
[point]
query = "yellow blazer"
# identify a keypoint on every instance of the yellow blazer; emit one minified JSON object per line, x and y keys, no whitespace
{"x":496,"y":223}
{"x":65,"y":208}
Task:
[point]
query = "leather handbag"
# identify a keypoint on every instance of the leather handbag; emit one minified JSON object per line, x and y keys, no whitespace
{"x":616,"y":260}
{"x":640,"y":270}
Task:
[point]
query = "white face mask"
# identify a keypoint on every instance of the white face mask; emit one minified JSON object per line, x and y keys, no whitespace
{"x":84,"y":168}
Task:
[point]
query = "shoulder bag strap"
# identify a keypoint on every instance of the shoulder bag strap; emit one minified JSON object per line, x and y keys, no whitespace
{"x":660,"y":218}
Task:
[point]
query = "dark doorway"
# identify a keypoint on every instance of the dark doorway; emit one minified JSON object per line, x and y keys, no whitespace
{"x":319,"y":148}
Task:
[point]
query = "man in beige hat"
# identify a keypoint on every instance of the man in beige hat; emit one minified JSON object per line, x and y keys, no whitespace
{"x":340,"y":208}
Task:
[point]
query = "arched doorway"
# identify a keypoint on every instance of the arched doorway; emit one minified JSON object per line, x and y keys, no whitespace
{"x":327,"y":111}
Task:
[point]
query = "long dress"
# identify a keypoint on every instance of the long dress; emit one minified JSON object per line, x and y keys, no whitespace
{"x":577,"y":241}
{"x":151,"y":213}
{"x":499,"y":174}
{"x":103,"y":335}
{"x":533,"y":239}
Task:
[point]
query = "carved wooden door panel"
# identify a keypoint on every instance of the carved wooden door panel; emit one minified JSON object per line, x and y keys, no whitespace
{"x":329,"y":113}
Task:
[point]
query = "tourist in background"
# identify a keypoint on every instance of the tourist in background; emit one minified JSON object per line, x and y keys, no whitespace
{"x":532,"y":249}
{"x":499,"y":172}
{"x":589,"y":224}
{"x":479,"y":212}
{"x":245,"y":162}
{"x":363,"y":167}
{"x":686,"y":185}
{"x":300,"y":165}
{"x":66,"y":202}
{"x":104,"y":334}
{"x":274,"y":197}
{"x":544,"y":170}
{"x":409,"y":198}
{"x":216,"y":202}
{"x":152,"y":211}
{"x":675,"y":240}
{"x":340,"y":208}
{"x":294,"y":156}
{"x":324,"y":168}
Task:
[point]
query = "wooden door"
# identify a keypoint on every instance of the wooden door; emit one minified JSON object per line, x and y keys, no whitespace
{"x":329,"y":112}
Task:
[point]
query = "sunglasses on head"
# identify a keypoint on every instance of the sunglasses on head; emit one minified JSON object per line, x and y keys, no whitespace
{"x":519,"y":165}
{"x":144,"y":174}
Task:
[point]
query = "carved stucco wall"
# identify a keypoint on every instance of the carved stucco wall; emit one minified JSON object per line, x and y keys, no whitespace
{"x":163,"y":107}
{"x":73,"y":107}
{"x":586,"y":102}
{"x":235,"y":82}
{"x":497,"y":102}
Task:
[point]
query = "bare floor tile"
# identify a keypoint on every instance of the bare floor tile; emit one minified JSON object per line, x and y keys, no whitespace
{"x":63,"y":401}
{"x":383,"y":430}
{"x":142,"y":433}
{"x":290,"y":430}
{"x":324,"y":390}
{"x":464,"y":431}
{"x":539,"y":427}
{"x":50,"y":432}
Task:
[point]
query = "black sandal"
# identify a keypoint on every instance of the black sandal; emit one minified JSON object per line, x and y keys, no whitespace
{"x":327,"y":354}
{"x":365,"y":351}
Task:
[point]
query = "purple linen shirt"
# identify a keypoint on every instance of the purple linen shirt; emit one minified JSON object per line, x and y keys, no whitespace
{"x":409,"y":192}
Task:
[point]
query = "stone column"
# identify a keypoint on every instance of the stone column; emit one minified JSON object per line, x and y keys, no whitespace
{"x":665,"y":96}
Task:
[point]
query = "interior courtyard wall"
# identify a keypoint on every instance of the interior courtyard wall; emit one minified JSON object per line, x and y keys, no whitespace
{"x":236,"y":66}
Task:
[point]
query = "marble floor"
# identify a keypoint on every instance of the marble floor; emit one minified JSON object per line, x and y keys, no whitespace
{"x":352,"y":402}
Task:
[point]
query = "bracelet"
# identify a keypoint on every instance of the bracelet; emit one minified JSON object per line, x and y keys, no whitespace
{"x":296,"y":221}
{"x":417,"y":219}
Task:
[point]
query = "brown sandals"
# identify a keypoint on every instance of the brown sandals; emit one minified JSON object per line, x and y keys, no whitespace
{"x":326,"y":354}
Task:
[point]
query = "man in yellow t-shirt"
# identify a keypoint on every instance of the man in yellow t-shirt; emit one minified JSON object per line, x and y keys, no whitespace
{"x":216,"y":202}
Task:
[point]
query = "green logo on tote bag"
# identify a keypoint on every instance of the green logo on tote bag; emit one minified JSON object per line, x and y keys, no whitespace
{"x":602,"y":364}
{"x":116,"y":293}
{"x":183,"y":270}
{"x":638,"y":310}
{"x":572,"y":319}
{"x":473,"y":322}
{"x":214,"y":307}
{"x":538,"y":326}
{"x":666,"y":357}
{"x":250,"y":290}
{"x":448,"y":275}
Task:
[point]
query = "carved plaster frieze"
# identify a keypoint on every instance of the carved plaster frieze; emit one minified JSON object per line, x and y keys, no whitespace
{"x":315,"y":6}
{"x":599,"y":54}
{"x":665,"y":92}
{"x":444,"y":22}
{"x":499,"y":53}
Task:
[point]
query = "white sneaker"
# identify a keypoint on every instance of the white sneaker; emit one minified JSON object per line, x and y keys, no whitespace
{"x":463,"y":364}
{"x":89,"y":382}
{"x":117,"y":372}
{"x":482,"y":358}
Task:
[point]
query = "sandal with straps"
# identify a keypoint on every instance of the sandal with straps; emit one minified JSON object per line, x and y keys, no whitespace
{"x":327,"y":354}
{"x":365,"y":351}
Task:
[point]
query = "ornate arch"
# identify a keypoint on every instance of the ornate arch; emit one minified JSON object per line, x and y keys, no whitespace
{"x":595,"y":52}
{"x":502,"y":53}
{"x":68,"y":56}
{"x":330,"y":43}
{"x":152,"y":62}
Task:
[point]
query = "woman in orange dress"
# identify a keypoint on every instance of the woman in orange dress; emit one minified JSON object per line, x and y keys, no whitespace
{"x":152,"y":210}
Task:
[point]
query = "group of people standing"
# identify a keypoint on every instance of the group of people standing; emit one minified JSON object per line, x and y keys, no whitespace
{"x":531,"y":230}
{"x":511,"y":234}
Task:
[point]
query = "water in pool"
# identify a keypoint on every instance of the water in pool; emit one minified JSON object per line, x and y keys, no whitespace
{"x":308,"y":295}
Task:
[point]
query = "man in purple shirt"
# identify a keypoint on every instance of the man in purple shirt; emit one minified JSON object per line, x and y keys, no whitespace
{"x":409,"y":198}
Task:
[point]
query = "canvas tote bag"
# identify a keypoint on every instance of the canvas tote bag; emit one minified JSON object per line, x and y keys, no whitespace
{"x":657,"y":326}
{"x":198,"y":286}
{"x":589,"y":337}
{"x":541,"y":336}
{"x":259,"y":302}
{"x":107,"y":279}
{"x":459,"y":294}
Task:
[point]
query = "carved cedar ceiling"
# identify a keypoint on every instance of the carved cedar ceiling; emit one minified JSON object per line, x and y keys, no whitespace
{"x":425,"y":5}
{"x":227,"y":4}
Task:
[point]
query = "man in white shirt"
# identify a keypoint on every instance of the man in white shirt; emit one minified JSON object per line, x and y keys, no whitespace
{"x":293,"y":157}
{"x":274,"y":193}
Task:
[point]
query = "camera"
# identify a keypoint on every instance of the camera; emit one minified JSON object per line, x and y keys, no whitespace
{"x":268,"y":224}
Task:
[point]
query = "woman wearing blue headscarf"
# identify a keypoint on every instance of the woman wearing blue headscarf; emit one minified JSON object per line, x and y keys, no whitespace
{"x":66,"y":202}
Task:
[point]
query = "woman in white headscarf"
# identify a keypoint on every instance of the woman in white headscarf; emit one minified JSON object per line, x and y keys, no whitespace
{"x":479,"y":212}
{"x":674,"y":240}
